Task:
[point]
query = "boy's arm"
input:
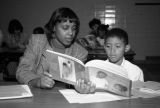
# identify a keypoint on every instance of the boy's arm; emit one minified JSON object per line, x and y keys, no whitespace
{"x":141,"y":76}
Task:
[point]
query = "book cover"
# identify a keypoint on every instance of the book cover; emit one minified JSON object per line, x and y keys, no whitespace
{"x":106,"y":76}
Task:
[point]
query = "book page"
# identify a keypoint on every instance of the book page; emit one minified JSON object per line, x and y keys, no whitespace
{"x":107,"y":66}
{"x":64,"y":67}
{"x":15,"y":91}
{"x":67,"y":70}
{"x":109,"y":77}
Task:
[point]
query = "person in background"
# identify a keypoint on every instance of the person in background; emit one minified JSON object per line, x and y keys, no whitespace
{"x":60,"y":35}
{"x":116,"y":44}
{"x":38,"y":30}
{"x":93,"y":25}
{"x":13,"y":46}
{"x":101,"y":33}
{"x":16,"y":39}
{"x":91,"y":37}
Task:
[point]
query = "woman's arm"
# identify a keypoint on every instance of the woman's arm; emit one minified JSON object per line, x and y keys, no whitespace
{"x":80,"y":53}
{"x":26,"y":70}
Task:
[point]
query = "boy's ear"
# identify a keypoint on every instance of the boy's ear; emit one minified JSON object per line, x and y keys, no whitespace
{"x":128,"y":47}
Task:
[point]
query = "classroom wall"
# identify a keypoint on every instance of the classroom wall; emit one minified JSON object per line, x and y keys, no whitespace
{"x":141,"y":21}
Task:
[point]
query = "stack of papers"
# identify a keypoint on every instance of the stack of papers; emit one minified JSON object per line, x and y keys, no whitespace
{"x":74,"y":97}
{"x":146,"y":89}
{"x":15,"y":91}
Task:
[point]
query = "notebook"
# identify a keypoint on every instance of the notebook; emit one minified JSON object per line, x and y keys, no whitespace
{"x":15,"y":91}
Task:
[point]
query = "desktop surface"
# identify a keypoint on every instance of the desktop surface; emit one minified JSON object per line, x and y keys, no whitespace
{"x":52,"y":98}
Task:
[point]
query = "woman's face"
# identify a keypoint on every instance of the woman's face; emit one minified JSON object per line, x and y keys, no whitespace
{"x":65,"y":32}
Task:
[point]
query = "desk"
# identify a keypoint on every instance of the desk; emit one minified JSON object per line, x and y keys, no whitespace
{"x":98,"y":53}
{"x":53,"y":99}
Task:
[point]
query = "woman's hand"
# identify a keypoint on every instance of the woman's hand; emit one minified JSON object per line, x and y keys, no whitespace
{"x":45,"y":81}
{"x":84,"y":87}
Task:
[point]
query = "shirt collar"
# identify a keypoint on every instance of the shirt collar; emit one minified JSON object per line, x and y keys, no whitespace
{"x":123,"y":62}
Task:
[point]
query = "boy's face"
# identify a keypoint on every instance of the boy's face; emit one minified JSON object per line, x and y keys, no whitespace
{"x":101,"y":33}
{"x":17,"y":32}
{"x":65,"y":32}
{"x":115,"y":49}
{"x":95,"y":27}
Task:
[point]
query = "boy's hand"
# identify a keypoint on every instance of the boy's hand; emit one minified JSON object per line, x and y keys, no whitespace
{"x":84,"y":87}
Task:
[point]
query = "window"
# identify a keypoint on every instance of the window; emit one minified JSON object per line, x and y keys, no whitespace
{"x":107,"y":14}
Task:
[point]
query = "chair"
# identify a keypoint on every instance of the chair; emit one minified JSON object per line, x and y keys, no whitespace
{"x":9,"y":65}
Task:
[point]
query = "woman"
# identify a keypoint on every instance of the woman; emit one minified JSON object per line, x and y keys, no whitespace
{"x":61,"y":32}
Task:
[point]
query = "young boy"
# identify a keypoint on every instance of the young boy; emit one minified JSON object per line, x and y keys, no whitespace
{"x":116,"y":44}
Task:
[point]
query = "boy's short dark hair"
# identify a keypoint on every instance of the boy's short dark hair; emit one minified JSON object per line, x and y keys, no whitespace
{"x":93,"y":22}
{"x":103,"y":27}
{"x":38,"y":30}
{"x":118,"y":32}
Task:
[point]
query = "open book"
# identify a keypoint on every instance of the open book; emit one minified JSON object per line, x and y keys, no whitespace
{"x":106,"y":76}
{"x":14,"y":91}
